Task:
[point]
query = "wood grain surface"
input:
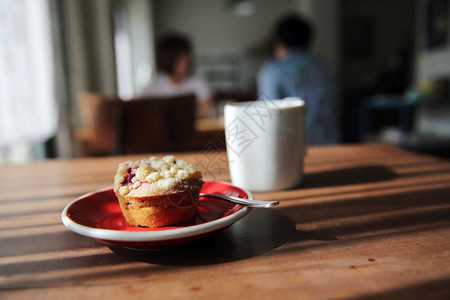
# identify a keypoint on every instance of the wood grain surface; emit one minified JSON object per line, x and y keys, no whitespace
{"x":370,"y":221}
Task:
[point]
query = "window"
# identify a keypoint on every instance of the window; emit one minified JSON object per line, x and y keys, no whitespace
{"x":28,"y":109}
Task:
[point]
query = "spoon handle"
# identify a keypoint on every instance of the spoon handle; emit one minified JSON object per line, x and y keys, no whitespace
{"x":246,"y":202}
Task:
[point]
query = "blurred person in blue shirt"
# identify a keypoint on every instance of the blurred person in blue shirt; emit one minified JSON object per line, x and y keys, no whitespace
{"x":295,"y":73}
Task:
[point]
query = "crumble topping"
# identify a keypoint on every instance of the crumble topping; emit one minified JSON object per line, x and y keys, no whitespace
{"x":153,"y":175}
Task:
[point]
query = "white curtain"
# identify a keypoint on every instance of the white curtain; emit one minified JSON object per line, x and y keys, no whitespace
{"x":28,"y":106}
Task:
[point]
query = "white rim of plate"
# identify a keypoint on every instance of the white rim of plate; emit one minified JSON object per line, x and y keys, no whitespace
{"x":147,"y":236}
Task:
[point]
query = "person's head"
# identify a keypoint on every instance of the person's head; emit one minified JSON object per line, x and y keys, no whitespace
{"x":173,"y":56}
{"x":292,"y":32}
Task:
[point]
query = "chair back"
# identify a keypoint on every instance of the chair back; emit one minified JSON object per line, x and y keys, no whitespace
{"x":145,"y":124}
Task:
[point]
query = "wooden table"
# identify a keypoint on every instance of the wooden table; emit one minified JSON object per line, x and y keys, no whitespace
{"x":370,"y":221}
{"x":209,"y":124}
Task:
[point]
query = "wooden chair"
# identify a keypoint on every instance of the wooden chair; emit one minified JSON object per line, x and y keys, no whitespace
{"x":156,"y":124}
{"x":97,"y":136}
{"x":145,"y":124}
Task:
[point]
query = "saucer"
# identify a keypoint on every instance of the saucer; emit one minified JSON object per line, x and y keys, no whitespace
{"x":98,"y":215}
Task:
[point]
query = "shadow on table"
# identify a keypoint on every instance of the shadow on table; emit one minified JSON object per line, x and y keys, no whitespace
{"x":258,"y":233}
{"x":435,"y":289}
{"x":368,"y":217}
{"x":348,"y":176}
{"x":371,"y":211}
{"x":351,"y":217}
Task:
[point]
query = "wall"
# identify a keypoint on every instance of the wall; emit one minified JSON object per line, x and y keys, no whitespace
{"x":89,"y":46}
{"x":142,"y":41}
{"x":393,"y":27}
{"x":233,"y":43}
{"x":325,"y":15}
{"x":213,"y":28}
{"x":434,"y":63}
{"x":87,"y":30}
{"x":88,"y":50}
{"x":433,"y":121}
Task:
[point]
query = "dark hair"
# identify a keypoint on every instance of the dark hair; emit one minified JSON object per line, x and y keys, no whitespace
{"x":294,"y":32}
{"x":168,"y":50}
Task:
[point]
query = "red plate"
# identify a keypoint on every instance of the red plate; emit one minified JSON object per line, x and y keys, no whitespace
{"x":98,"y":215}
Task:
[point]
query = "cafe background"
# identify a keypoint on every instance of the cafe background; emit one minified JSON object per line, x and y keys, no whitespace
{"x":390,"y":59}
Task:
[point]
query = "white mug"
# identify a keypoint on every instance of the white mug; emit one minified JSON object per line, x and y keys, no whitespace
{"x":266,"y":143}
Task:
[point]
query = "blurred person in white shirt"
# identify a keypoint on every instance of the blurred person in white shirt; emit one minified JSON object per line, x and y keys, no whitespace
{"x":174,"y":77}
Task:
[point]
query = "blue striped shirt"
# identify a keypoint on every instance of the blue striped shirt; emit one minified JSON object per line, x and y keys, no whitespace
{"x":304,"y":76}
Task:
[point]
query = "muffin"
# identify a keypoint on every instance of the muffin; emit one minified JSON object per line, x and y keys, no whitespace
{"x":157,"y":192}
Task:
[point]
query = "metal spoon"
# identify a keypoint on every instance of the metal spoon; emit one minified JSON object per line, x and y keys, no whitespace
{"x":246,"y":202}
